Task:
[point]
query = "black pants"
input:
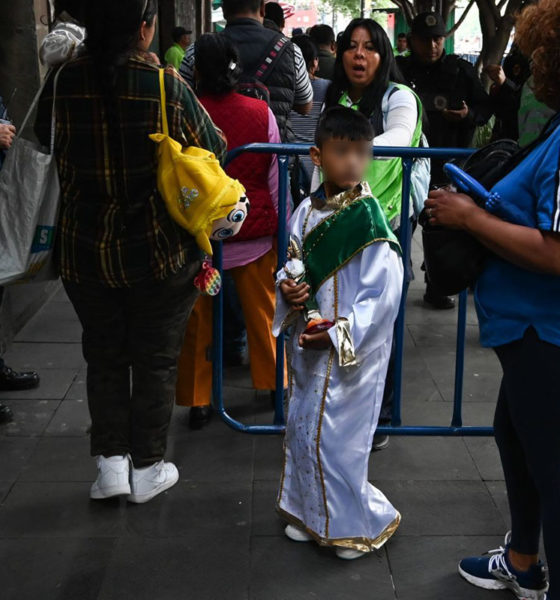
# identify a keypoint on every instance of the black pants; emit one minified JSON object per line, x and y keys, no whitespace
{"x":131,"y":342}
{"x":527,"y":425}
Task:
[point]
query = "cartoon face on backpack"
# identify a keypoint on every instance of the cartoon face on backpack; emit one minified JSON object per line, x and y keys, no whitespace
{"x":230,"y":225}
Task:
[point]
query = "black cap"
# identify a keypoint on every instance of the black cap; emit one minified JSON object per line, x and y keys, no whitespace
{"x":428,"y":24}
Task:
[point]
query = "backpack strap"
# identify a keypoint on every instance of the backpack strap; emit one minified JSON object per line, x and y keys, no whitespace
{"x":273,"y":53}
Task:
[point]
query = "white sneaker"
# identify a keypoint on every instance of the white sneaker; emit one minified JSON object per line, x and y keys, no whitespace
{"x":112,"y":477}
{"x":296,"y":534}
{"x":349,"y":553}
{"x":151,"y":481}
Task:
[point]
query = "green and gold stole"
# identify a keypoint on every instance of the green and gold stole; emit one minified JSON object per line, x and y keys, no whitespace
{"x":357,"y":222}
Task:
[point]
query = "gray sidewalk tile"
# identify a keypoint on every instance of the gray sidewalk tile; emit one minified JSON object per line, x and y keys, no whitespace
{"x":71,"y":419}
{"x":64,"y":459}
{"x":31,"y":417}
{"x":425,"y":568}
{"x":264,"y":518}
{"x":193,"y":568}
{"x":65,"y":569}
{"x":59,"y":509}
{"x":14,"y":453}
{"x":54,"y":384}
{"x":480,"y":414}
{"x":38,"y":356}
{"x":218,"y":459}
{"x":482,"y":373}
{"x":486,"y":457}
{"x":420,"y":458}
{"x":443,"y":507}
{"x":285,"y":570}
{"x":5,"y":487}
{"x":498,"y":492}
{"x":77,"y":390}
{"x":210,"y":510}
{"x":55,"y":322}
{"x":441,"y":336}
{"x":268,"y":457}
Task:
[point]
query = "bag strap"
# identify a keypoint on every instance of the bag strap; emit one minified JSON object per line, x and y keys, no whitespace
{"x":164,"y":122}
{"x":35,"y":102}
{"x":270,"y":57}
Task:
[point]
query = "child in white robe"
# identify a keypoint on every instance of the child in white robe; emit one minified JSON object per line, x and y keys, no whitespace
{"x":341,"y":289}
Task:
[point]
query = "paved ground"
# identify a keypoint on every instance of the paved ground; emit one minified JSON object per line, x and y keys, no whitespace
{"x":215,"y":535}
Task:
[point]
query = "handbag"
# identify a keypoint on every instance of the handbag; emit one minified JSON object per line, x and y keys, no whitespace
{"x":453,"y":258}
{"x":198,"y":194}
{"x":29,"y":203}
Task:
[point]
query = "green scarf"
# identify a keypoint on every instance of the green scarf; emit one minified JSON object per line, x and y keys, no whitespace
{"x":357,"y":222}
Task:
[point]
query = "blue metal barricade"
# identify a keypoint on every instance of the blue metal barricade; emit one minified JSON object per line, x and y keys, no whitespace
{"x":283,"y":151}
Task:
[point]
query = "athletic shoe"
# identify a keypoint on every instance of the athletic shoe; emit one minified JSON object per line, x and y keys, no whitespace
{"x":112,"y":477}
{"x":494,"y":572}
{"x":296,"y":534}
{"x":151,"y":481}
{"x":380,"y":442}
{"x":349,"y":553}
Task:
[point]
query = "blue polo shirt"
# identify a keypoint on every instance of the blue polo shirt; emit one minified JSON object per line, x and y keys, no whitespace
{"x":510,"y":299}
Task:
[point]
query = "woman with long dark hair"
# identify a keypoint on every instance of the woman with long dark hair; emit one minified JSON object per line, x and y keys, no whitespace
{"x":126,"y":266}
{"x":366,"y":78}
{"x":251,"y":257}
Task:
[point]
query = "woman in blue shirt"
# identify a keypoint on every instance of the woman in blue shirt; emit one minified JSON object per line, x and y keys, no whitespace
{"x":518,"y":304}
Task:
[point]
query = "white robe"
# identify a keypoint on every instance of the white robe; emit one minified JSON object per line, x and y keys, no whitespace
{"x":333,"y":410}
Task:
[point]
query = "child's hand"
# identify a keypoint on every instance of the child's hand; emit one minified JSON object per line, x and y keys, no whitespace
{"x":315,"y":341}
{"x":294,"y":294}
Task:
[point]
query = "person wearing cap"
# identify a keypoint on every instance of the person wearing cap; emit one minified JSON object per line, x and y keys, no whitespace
{"x":454,"y":100}
{"x":175,"y":54}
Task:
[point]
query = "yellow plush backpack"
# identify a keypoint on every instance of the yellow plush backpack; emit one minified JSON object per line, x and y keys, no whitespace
{"x":195,"y":188}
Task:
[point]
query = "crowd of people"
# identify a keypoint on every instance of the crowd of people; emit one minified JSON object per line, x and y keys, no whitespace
{"x":130,"y":270}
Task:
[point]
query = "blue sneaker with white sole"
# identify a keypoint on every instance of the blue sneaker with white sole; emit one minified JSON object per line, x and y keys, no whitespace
{"x":493,"y":571}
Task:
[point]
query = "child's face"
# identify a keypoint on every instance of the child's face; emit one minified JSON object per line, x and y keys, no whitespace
{"x":343,"y":162}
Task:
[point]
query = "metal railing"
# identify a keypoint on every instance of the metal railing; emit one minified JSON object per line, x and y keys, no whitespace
{"x":456,"y":428}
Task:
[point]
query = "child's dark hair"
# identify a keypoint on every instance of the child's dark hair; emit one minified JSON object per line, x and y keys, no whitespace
{"x":217,"y":64}
{"x":341,"y":123}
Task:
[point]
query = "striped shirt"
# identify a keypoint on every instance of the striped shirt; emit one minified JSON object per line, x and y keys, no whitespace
{"x":114,"y":228}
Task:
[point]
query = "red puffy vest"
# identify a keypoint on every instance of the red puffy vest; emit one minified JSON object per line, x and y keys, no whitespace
{"x":244,"y":121}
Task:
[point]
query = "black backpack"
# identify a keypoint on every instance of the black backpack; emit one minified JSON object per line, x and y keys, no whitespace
{"x":453,"y":258}
{"x":253,"y":84}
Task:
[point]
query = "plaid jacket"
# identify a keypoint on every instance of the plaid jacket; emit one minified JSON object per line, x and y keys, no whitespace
{"x":114,"y":228}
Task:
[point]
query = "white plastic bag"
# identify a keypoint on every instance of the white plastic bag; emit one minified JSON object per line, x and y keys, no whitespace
{"x":29,"y":202}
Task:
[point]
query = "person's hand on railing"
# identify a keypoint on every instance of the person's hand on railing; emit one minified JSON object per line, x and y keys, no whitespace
{"x":294,"y":294}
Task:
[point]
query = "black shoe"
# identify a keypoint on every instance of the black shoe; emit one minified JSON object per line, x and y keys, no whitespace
{"x":11,"y":380}
{"x":380,"y":442}
{"x":200,"y":416}
{"x":6,"y":414}
{"x":439,"y":302}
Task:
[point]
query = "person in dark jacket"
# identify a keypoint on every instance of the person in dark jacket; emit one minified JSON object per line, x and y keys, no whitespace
{"x":323,"y":36}
{"x":450,"y":89}
{"x":288,"y":81}
{"x":453,"y":97}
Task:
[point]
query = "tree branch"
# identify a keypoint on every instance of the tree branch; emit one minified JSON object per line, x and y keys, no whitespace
{"x":461,"y":19}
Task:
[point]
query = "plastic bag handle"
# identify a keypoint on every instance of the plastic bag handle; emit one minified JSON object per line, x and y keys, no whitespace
{"x":36,"y":101}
